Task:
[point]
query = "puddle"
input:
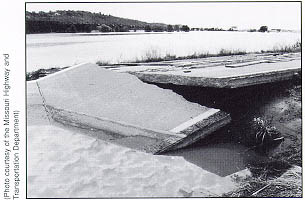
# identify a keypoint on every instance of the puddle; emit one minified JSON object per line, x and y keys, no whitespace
{"x":221,"y":159}
{"x":228,"y":150}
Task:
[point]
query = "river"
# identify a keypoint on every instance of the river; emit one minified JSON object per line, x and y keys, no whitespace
{"x":66,"y":49}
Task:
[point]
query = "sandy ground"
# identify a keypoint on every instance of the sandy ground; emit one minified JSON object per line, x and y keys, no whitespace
{"x":66,"y":164}
{"x":62,"y":163}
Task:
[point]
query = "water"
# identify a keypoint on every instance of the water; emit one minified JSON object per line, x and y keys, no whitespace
{"x":66,"y":49}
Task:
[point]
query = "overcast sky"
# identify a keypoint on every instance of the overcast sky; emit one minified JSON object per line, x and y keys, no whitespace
{"x":284,"y":15}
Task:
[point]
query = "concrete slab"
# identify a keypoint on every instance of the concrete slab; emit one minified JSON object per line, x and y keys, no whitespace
{"x":221,"y":72}
{"x":134,"y":113}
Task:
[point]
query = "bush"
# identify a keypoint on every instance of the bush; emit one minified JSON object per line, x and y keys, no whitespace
{"x":264,"y":135}
{"x":263,"y":29}
{"x":185,"y":28}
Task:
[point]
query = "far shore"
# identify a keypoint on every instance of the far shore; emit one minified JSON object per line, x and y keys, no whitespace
{"x":140,"y":32}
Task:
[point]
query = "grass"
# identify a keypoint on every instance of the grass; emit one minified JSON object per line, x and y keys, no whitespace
{"x":287,"y":185}
{"x":154,"y":56}
{"x":296,"y":47}
{"x":103,"y":63}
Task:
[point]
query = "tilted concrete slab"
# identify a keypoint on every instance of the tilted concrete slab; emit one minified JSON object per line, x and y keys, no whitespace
{"x":130,"y":112}
{"x":219,"y":72}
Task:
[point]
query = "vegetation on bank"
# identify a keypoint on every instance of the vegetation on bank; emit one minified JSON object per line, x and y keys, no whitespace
{"x":289,"y":184}
{"x":83,"y":21}
{"x":296,"y":47}
{"x":153,"y":55}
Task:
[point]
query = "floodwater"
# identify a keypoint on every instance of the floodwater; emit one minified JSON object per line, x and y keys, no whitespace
{"x":66,"y":49}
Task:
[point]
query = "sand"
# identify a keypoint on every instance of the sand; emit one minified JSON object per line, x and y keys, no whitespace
{"x":62,"y":163}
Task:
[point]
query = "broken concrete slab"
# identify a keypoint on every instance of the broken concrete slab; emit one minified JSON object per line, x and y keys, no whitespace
{"x":237,"y":71}
{"x":134,"y":113}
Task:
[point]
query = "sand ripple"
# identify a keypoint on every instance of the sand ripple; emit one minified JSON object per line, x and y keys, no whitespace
{"x":66,"y":164}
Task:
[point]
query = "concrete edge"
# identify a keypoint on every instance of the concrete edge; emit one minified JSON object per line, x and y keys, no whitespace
{"x":182,"y":127}
{"x":84,"y":121}
{"x":166,"y":140}
{"x":243,"y":81}
{"x":200,"y":130}
{"x":227,"y":82}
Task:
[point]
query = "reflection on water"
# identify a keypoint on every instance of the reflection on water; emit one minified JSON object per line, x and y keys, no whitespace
{"x":59,"y":50}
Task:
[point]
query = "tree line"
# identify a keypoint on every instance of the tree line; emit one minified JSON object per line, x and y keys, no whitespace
{"x":83,"y":21}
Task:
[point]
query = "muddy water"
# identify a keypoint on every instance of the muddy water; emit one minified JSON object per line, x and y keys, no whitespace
{"x":230,"y":149}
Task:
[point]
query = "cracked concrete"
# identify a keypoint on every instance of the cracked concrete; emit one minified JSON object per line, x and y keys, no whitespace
{"x":95,"y":99}
{"x":219,"y":72}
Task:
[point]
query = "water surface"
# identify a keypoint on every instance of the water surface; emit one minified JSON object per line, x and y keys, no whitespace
{"x":66,"y":49}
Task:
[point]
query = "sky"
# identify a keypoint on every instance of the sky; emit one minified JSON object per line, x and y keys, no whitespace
{"x":246,"y":15}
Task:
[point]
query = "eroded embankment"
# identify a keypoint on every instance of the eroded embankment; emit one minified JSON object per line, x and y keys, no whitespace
{"x":279,"y":104}
{"x":273,"y":101}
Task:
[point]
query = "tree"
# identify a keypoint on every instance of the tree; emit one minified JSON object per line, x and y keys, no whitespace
{"x":157,"y":29}
{"x":88,"y":28}
{"x":185,"y":28}
{"x":71,"y":29}
{"x":147,"y":28}
{"x":170,"y":28}
{"x":263,"y":29}
{"x":177,"y":28}
{"x":104,"y":28}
